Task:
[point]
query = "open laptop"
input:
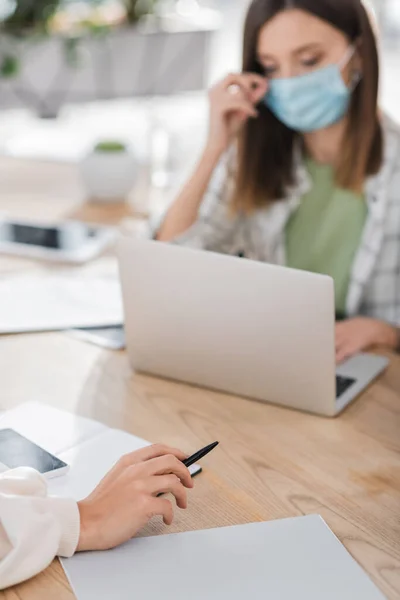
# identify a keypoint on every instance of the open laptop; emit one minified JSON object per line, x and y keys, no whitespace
{"x":236,"y":325}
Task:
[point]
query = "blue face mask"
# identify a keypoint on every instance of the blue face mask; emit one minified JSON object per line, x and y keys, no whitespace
{"x":313,"y":101}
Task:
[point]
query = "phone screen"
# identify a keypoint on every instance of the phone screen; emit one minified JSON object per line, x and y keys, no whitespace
{"x":47,"y":237}
{"x":17,"y":451}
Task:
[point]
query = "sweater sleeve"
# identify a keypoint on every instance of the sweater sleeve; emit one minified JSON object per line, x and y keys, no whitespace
{"x":217,"y":227}
{"x":34,"y":527}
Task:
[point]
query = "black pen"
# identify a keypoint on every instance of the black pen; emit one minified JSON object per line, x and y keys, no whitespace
{"x":198,"y":455}
{"x":195,"y":457}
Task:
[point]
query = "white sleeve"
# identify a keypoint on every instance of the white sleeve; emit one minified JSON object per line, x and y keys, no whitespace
{"x":34,"y":528}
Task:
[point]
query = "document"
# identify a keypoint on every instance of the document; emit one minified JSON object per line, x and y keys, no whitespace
{"x":290,"y":559}
{"x":89,"y":448}
{"x":54,"y":430}
{"x":46,"y":303}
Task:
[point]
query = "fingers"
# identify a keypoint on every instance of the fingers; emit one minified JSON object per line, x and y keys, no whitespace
{"x":259,"y":92}
{"x":149,"y":453}
{"x":163,"y":508}
{"x":342,"y":354}
{"x":144,"y":463}
{"x":346,"y":343}
{"x":250,"y":86}
{"x":248,"y":82}
{"x":166,"y":465}
{"x":244,"y":107}
{"x":167,"y":484}
{"x":345,"y":347}
{"x":340,"y":341}
{"x":340,"y":330}
{"x":346,"y":350}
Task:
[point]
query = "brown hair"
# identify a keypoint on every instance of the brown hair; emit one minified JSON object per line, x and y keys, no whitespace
{"x":266,"y":147}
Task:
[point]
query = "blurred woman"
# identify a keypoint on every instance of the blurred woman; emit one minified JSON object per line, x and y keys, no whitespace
{"x":309,"y":171}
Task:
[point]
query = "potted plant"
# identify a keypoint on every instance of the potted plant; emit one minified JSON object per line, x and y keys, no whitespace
{"x":108,"y":172}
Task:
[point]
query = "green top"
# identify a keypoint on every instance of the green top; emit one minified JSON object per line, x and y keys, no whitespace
{"x":324,"y":233}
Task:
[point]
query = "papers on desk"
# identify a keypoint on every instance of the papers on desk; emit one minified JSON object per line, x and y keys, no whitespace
{"x":32,"y":303}
{"x":91,"y":460}
{"x":290,"y":559}
{"x":55,"y":430}
{"x":88,"y":447}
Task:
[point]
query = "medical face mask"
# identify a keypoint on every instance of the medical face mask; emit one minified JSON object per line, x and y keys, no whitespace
{"x":313,"y":101}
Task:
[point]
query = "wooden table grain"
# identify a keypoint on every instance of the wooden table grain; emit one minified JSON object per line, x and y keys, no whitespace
{"x":272,"y":462}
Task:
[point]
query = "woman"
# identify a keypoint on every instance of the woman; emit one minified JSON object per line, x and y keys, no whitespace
{"x":34,"y":528}
{"x":312,"y":176}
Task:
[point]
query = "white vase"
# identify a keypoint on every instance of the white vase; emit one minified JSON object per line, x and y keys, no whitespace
{"x":108,"y":176}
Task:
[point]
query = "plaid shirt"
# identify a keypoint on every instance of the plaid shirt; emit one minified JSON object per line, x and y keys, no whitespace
{"x":374,"y":287}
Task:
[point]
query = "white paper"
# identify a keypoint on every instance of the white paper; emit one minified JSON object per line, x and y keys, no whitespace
{"x":291,"y":559}
{"x":90,"y":461}
{"x":54,"y":430}
{"x":88,"y":447}
{"x":31,"y":303}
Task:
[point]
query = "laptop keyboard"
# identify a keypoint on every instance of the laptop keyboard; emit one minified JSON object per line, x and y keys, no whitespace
{"x":343,"y":384}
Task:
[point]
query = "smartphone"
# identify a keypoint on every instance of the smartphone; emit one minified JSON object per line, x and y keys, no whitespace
{"x":69,"y":241}
{"x":17,"y":451}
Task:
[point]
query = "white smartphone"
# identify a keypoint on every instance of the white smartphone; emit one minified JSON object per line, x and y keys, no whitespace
{"x":69,"y":241}
{"x":17,"y":451}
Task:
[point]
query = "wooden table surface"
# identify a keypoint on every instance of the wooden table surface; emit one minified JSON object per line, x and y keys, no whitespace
{"x":272,"y":462}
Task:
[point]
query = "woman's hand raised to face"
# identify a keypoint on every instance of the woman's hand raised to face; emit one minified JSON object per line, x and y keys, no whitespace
{"x":232,"y":102}
{"x":127,"y":498}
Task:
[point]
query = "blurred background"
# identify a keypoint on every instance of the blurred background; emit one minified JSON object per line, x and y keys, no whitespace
{"x":131,"y":75}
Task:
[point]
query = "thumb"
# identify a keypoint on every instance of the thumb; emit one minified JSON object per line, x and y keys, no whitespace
{"x":260,"y":91}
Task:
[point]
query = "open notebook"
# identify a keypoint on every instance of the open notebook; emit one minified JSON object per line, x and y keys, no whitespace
{"x":88,"y":447}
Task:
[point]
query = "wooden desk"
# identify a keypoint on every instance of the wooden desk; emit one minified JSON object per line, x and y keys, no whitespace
{"x":272,"y":462}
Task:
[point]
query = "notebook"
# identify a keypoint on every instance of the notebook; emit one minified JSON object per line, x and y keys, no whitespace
{"x":290,"y":559}
{"x":88,"y":447}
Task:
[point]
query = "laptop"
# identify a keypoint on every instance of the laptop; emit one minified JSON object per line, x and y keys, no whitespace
{"x":236,"y":325}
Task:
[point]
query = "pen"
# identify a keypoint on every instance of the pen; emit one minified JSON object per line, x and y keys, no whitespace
{"x":198,"y":455}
